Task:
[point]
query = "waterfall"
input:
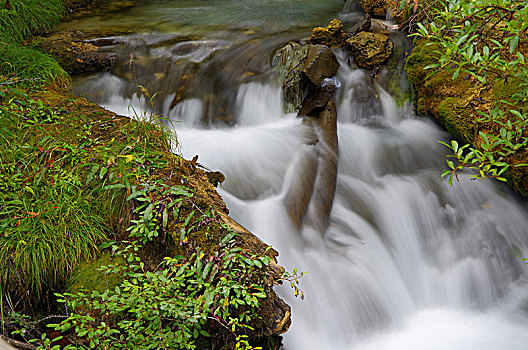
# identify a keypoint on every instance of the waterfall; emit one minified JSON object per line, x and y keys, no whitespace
{"x":407,"y":261}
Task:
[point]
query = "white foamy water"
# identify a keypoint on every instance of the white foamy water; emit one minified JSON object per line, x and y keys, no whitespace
{"x":407,"y":262}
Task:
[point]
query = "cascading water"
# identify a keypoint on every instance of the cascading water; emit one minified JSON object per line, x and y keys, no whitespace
{"x":406,"y":261}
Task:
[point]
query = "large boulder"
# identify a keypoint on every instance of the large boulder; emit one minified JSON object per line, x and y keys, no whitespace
{"x":302,"y":68}
{"x":332,"y":36}
{"x":370,"y":49}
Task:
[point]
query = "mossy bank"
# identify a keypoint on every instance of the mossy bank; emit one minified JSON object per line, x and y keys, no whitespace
{"x":74,"y":177}
{"x":477,"y":91}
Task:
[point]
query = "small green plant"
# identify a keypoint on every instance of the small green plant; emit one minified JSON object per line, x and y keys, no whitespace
{"x":153,"y":211}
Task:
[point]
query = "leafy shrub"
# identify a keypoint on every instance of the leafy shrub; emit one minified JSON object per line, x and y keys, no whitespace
{"x":170,"y":306}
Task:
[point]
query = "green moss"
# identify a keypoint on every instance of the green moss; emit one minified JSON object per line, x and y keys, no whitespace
{"x":88,"y":276}
{"x":420,"y":106}
{"x":455,"y":119}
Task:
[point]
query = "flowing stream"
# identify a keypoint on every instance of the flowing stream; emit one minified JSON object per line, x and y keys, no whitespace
{"x":406,"y":261}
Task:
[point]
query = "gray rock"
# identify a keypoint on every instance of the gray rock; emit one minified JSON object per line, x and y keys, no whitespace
{"x":362,"y":26}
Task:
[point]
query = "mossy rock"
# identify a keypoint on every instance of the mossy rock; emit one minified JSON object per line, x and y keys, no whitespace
{"x":73,"y":54}
{"x":375,"y":7}
{"x":332,"y":36}
{"x":452,"y":117}
{"x":370,"y":50}
{"x":458,"y":104}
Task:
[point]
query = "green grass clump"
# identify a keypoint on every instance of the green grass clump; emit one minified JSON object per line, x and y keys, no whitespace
{"x":28,"y":17}
{"x":27,"y":63}
{"x":46,"y":237}
{"x":47,"y":221}
{"x":18,"y":20}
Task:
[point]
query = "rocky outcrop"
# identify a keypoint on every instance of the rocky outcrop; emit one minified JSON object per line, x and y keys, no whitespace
{"x":75,"y":55}
{"x":332,"y":36}
{"x":370,"y":49}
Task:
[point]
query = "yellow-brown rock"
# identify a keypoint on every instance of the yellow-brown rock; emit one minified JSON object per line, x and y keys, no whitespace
{"x":331,"y":36}
{"x":370,"y":49}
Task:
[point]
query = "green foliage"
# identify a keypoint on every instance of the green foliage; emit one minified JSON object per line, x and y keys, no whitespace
{"x":153,"y":213}
{"x":169,"y":306}
{"x":19,"y":20}
{"x":481,"y":41}
{"x":41,"y":203}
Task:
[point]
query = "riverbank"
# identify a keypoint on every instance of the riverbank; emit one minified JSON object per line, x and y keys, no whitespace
{"x":76,"y":177}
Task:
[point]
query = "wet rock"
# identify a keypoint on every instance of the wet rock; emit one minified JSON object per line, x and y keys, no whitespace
{"x":288,"y":61}
{"x":332,"y":36}
{"x":74,"y":54}
{"x":370,"y":49}
{"x":216,"y":178}
{"x":320,"y":63}
{"x":319,"y":98}
{"x":303,"y":67}
{"x":362,"y":26}
{"x":324,"y":123}
{"x":309,"y":201}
